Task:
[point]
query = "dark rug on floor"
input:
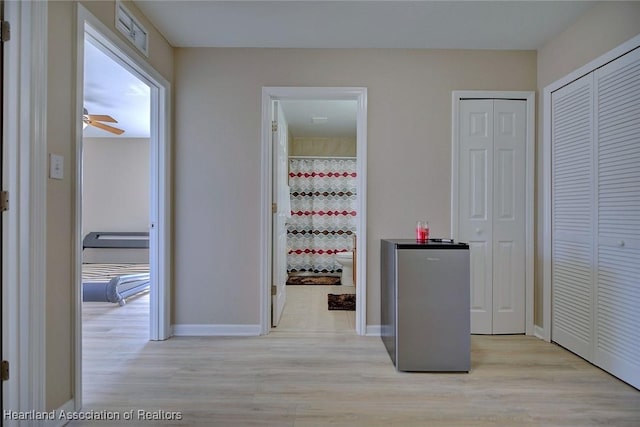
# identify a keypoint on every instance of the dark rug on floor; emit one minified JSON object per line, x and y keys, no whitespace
{"x":313,"y":280}
{"x":345,"y":302}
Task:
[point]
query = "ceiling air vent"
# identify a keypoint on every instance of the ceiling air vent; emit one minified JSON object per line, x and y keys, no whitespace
{"x":132,"y":29}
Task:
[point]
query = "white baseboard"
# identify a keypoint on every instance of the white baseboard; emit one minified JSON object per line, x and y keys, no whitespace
{"x":58,"y":417}
{"x":539,"y":332}
{"x":216,"y":330}
{"x":373,"y":330}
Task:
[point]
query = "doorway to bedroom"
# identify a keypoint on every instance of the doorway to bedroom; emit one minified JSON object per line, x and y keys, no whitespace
{"x":122,"y":226}
{"x":115,"y":210}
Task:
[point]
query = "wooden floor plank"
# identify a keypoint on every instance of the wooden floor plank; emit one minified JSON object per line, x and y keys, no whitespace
{"x":299,"y":378}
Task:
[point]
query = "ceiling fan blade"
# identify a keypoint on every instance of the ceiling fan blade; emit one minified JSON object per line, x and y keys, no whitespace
{"x":102,"y":118}
{"x":106,"y":127}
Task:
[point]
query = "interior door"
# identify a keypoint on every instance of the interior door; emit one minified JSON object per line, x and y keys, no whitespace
{"x":509,"y":166}
{"x":492,"y":211}
{"x":1,"y":188}
{"x":280,"y":198}
{"x":476,"y":195}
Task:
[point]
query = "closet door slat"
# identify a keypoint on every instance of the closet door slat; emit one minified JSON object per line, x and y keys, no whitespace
{"x":572,"y":215}
{"x":617,"y":297}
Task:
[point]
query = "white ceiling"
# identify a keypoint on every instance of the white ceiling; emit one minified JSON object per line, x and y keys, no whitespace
{"x":112,"y":90}
{"x":340,"y":118}
{"x":362,"y":24}
{"x":528,"y":25}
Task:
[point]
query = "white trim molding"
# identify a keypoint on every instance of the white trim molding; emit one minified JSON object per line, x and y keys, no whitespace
{"x":374,"y":331}
{"x":529,"y":98}
{"x":24,"y":168}
{"x":269,"y":94}
{"x":185,"y":330}
{"x":547,"y":227}
{"x":60,"y":415}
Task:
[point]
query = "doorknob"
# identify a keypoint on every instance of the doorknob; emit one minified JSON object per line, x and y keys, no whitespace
{"x":621,"y":243}
{"x":478,"y":230}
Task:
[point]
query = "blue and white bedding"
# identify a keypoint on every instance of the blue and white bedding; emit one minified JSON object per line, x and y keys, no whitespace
{"x":113,"y":282}
{"x":115,"y":266}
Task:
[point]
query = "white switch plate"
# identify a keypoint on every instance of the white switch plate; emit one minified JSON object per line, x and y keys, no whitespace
{"x":56,"y":166}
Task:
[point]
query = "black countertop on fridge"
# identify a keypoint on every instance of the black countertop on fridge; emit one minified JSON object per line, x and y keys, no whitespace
{"x":429,"y":244}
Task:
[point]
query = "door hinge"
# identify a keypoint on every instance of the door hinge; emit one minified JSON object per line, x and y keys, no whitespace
{"x":274,"y":207}
{"x":274,"y":126}
{"x":5,"y":31}
{"x":274,"y":290}
{"x":4,"y":370}
{"x":4,"y":201}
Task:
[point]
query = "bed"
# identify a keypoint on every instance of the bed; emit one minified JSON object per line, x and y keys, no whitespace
{"x":115,"y":266}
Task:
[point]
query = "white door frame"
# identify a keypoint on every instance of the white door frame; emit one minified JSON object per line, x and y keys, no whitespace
{"x":270,"y":94}
{"x":24,"y":240}
{"x":280,"y":143}
{"x":160,"y":153}
{"x":529,"y":97}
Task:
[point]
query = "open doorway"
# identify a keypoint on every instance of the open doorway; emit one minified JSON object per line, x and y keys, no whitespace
{"x":122,"y":195}
{"x":115,"y":165}
{"x":314,"y":165}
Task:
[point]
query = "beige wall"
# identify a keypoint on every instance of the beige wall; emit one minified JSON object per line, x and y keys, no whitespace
{"x":600,"y":29}
{"x":62,"y":83}
{"x":115,"y":184}
{"x":60,"y":218}
{"x":160,"y":52}
{"x":217,"y":155}
{"x":313,"y":146}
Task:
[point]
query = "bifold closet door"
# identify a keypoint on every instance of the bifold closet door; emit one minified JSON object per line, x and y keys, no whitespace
{"x":617,"y":314}
{"x":572,"y":216}
{"x":492,"y":215}
{"x":596,"y":217}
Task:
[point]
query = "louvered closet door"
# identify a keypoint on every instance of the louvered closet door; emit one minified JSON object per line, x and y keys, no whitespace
{"x":572,"y":216}
{"x":617,"y":323}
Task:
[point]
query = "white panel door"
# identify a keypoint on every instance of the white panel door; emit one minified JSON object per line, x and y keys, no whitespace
{"x":572,"y":213}
{"x":476,"y":195}
{"x":617,"y":294}
{"x":281,"y":199}
{"x":492,"y":211}
{"x":509,"y":165}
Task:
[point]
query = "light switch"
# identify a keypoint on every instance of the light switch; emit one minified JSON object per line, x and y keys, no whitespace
{"x":56,"y":166}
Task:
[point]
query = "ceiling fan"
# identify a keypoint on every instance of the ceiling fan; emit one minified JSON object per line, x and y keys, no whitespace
{"x":95,"y":119}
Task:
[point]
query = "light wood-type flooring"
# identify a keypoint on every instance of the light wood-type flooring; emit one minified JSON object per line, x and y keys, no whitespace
{"x":306,"y":310}
{"x":334,"y":378}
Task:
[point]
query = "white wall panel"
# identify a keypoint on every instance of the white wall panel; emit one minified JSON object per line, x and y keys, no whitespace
{"x":478,"y":184}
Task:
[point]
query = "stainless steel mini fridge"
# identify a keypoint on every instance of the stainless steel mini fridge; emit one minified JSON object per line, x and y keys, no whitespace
{"x":425,"y":298}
